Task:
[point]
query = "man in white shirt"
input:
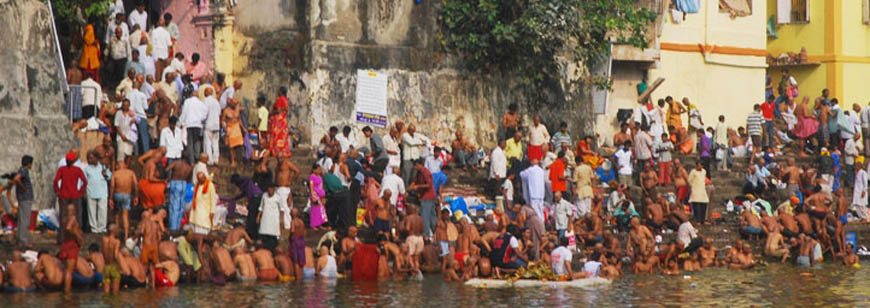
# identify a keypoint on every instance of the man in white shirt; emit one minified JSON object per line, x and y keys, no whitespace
{"x":270,"y":217}
{"x":139,"y":17}
{"x":172,"y":138}
{"x":126,"y":134}
{"x":564,"y":212}
{"x":391,"y":146}
{"x":394,"y":184}
{"x":92,"y":95}
{"x":116,"y":23}
{"x":412,"y":144}
{"x":538,"y":136}
{"x":497,"y":166}
{"x":139,"y":103}
{"x":230,"y":93}
{"x":161,"y":41}
{"x":346,"y":140}
{"x":865,"y":126}
{"x":118,"y":52}
{"x":534,"y":186}
{"x":623,"y":163}
{"x":193,"y":114}
{"x":212,"y":126}
{"x":850,"y":153}
{"x":561,"y":258}
{"x":498,"y":162}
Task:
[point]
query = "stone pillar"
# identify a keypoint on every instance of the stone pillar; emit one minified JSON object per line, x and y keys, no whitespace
{"x":224,"y":46}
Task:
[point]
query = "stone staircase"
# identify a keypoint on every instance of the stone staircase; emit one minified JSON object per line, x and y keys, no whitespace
{"x":303,"y":157}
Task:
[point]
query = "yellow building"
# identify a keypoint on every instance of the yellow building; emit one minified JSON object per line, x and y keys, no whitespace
{"x":836,"y":35}
{"x":714,"y":57}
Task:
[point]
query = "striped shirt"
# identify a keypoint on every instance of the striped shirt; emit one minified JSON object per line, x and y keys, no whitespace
{"x":754,"y":122}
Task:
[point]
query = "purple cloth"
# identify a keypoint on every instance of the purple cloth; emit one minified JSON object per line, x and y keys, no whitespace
{"x":297,"y":250}
{"x":704,"y":146}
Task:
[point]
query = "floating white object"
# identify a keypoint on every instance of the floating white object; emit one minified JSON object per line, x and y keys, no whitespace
{"x":497,"y":283}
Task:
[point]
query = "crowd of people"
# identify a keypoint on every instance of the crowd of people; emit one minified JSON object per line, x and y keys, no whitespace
{"x":140,"y":180}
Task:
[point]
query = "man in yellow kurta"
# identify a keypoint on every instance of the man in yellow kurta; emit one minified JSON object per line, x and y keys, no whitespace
{"x":583,"y":177}
{"x":698,"y":195}
{"x":203,"y":205}
{"x":514,"y":148}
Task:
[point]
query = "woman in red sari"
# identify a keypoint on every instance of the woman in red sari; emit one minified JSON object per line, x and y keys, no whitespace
{"x":280,"y":143}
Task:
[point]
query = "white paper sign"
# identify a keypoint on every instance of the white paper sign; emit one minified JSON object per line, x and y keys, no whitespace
{"x":371,"y":98}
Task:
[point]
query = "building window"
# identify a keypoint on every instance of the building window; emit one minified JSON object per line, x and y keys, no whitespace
{"x":793,"y":11}
{"x":736,"y":8}
{"x":865,"y":11}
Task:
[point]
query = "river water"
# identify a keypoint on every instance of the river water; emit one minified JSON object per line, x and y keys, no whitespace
{"x":774,"y":285}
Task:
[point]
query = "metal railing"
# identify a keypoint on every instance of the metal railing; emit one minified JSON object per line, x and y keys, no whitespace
{"x":62,"y":69}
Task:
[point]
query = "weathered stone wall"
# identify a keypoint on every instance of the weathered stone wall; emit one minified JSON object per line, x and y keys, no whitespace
{"x":32,"y":118}
{"x":317,"y":54}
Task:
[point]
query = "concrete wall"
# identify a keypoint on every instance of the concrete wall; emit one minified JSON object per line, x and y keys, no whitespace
{"x":318,"y":53}
{"x":32,"y":116}
{"x":726,"y":81}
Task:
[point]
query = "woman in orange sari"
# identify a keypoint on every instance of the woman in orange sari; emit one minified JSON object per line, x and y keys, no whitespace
{"x":280,"y":144}
{"x":90,"y":60}
{"x":585,"y":152}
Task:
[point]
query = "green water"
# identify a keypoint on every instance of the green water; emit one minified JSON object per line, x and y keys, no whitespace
{"x":775,"y":285}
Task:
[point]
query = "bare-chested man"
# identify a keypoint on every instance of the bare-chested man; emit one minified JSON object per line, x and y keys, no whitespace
{"x":69,"y":249}
{"x":266,"y":270}
{"x":171,"y":270}
{"x":309,"y":270}
{"x":151,"y":233}
{"x":791,"y":174}
{"x":18,"y":277}
{"x":297,"y":243}
{"x":167,"y":249}
{"x":708,"y":254}
{"x":655,"y":215}
{"x":805,"y":248}
{"x":680,"y":179}
{"x":649,"y":179}
{"x":133,"y":273}
{"x":774,"y":246}
{"x":640,"y":239}
{"x":817,"y":208}
{"x":124,"y":194}
{"x":383,"y":213}
{"x":622,"y":136}
{"x":803,"y":220}
{"x":237,"y":237}
{"x":223,"y":260}
{"x":647,"y":263}
{"x":246,"y":271}
{"x":179,"y":173}
{"x":850,"y":259}
{"x":106,"y":153}
{"x":284,"y":178}
{"x":95,"y":256}
{"x":590,"y":229}
{"x":789,"y":225}
{"x":768,"y":223}
{"x":83,"y":274}
{"x":750,"y":224}
{"x":284,"y":264}
{"x":151,"y":187}
{"x":744,"y":259}
{"x":111,"y":252}
{"x":348,"y":248}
